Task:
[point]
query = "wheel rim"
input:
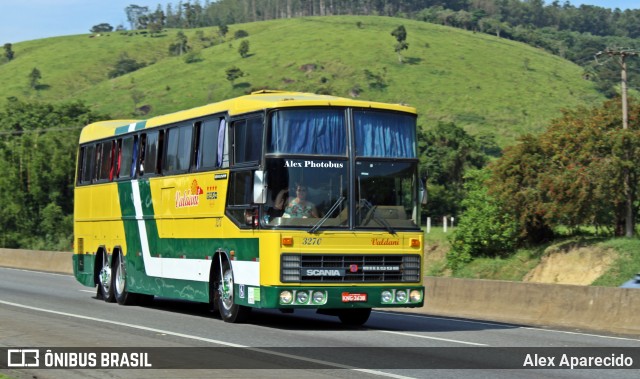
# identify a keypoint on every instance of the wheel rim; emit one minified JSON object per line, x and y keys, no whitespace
{"x":120,"y":278}
{"x":105,"y":278}
{"x":226,"y":290}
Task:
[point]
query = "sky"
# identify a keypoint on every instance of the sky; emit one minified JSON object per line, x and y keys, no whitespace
{"x":34,"y":19}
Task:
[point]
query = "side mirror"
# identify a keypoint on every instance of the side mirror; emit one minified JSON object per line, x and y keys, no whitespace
{"x":423,"y":191}
{"x":259,"y":187}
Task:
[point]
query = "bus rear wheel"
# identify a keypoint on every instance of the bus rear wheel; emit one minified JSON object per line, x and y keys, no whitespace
{"x":105,"y":280}
{"x":354,"y":317}
{"x":229,"y":310}
{"x":123,"y":297}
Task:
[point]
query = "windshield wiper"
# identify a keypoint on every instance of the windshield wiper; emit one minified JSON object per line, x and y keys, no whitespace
{"x":318,"y":224}
{"x":380,"y":220}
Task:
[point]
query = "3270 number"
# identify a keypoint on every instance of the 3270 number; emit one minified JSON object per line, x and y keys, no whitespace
{"x":312,"y":241}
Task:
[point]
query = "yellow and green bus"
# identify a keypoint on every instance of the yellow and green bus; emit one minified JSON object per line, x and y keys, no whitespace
{"x":279,"y":200}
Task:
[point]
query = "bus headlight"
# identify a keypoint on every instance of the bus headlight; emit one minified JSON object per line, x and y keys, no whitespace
{"x":319,"y":297}
{"x":415,"y":296}
{"x":401,"y":296}
{"x":302,"y":297}
{"x":286,"y":297}
{"x":386,"y":296}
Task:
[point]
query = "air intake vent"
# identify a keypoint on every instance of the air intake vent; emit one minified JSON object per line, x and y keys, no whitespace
{"x":312,"y":268}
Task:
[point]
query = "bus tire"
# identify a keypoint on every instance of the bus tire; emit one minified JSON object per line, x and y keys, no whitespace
{"x":105,"y":279}
{"x":229,"y":310}
{"x":123,"y":297}
{"x":355,"y":316}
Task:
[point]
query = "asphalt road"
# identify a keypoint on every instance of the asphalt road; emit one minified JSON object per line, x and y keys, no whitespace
{"x":52,"y":311}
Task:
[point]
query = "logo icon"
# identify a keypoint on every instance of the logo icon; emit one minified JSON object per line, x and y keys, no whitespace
{"x":23,"y":357}
{"x":190,"y":197}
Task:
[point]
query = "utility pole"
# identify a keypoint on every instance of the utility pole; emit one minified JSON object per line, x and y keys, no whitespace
{"x":622,"y":55}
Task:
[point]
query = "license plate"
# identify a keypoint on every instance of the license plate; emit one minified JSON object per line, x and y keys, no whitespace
{"x":353,"y":297}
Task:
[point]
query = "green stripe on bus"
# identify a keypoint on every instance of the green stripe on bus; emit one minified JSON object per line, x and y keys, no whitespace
{"x":187,"y":248}
{"x":126,"y":128}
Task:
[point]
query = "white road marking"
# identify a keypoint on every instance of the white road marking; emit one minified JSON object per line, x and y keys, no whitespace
{"x":208,"y":340}
{"x":430,"y":338}
{"x":507,"y":325}
{"x":35,"y":272}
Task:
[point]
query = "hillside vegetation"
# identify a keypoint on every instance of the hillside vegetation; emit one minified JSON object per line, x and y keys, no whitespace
{"x":485,"y":84}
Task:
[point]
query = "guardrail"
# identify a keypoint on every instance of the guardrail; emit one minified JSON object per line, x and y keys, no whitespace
{"x":610,"y":309}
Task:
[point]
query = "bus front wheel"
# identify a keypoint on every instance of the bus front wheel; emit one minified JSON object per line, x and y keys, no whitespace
{"x":229,"y":310}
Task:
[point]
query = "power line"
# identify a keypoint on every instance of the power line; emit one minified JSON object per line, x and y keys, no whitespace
{"x":622,"y":55}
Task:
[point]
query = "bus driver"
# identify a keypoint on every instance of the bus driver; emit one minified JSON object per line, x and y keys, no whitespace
{"x":298,"y":207}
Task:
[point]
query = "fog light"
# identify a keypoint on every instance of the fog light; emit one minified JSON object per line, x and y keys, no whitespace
{"x":415,"y":296}
{"x":286,"y":297}
{"x":318,"y":297}
{"x":302,"y":297}
{"x":401,"y":296}
{"x":386,"y":296}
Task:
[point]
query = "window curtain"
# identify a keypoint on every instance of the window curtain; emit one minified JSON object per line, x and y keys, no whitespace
{"x":385,"y":135}
{"x":308,"y":132}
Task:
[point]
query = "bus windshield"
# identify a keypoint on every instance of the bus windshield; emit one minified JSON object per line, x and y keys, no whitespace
{"x":313,"y":182}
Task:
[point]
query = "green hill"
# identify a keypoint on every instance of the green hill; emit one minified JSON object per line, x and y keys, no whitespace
{"x":483,"y":83}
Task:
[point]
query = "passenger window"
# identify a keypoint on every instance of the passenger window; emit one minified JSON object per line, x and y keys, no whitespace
{"x":207,"y":155}
{"x":87,"y":155}
{"x":104,"y":160}
{"x":125,"y":157}
{"x":178,"y":152}
{"x":149,"y":145}
{"x":247,"y":140}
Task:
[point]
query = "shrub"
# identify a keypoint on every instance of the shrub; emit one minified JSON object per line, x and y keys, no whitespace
{"x":484,"y":229}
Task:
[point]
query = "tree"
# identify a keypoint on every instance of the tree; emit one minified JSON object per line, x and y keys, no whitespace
{"x":223,"y":29}
{"x":181,"y":46}
{"x":233,"y":73}
{"x":34,"y":78}
{"x":101,"y":28}
{"x":125,"y":65}
{"x":134,"y":15}
{"x":572,"y":174}
{"x":8,"y":52}
{"x":446,"y":152}
{"x":240,"y":34}
{"x":514,"y":182}
{"x":400,"y":33}
{"x":37,"y":155}
{"x":244,"y":49}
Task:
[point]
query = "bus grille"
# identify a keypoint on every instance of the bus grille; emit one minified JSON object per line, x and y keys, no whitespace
{"x":312,"y":268}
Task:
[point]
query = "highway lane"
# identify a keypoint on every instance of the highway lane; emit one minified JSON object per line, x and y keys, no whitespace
{"x":49,"y":310}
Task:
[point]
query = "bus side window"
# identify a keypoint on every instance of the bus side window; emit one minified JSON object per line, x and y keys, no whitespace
{"x":207,"y":144}
{"x":97,"y":163}
{"x":104,"y":160}
{"x":142,"y":154}
{"x":150,"y":153}
{"x":88,"y":155}
{"x":125,"y":155}
{"x":223,"y":144}
{"x":247,"y":140}
{"x":178,"y":149}
{"x":80,"y":167}
{"x":115,"y":161}
{"x":134,"y":157}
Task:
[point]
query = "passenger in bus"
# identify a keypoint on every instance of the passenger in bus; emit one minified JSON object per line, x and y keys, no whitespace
{"x":299,"y":207}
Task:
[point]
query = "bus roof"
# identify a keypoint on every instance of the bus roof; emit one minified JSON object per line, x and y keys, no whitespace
{"x":266,"y":99}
